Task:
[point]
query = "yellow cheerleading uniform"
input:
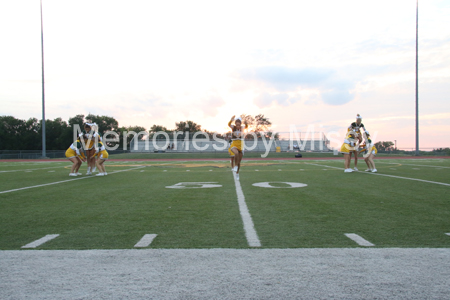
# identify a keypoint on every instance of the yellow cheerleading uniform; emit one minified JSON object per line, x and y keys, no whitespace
{"x":90,"y":138}
{"x":349,"y":145}
{"x":373,"y":150}
{"x":230,"y":152}
{"x":74,"y":150}
{"x":236,"y":144}
{"x":101,"y":151}
{"x":237,"y":137}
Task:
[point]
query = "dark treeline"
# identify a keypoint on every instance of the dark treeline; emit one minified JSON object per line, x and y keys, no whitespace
{"x":17,"y":134}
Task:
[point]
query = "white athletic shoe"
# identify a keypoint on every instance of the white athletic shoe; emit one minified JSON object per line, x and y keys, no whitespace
{"x":100,"y":174}
{"x":105,"y":173}
{"x":89,"y":173}
{"x":348,"y":170}
{"x":235,"y":169}
{"x":374,"y":170}
{"x":72,"y":174}
{"x":79,"y":173}
{"x":356,"y":169}
{"x":368,"y":170}
{"x":237,"y":176}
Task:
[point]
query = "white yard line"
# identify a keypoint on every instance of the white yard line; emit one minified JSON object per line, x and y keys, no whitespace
{"x":359,"y":240}
{"x":387,"y":175}
{"x":41,"y":241}
{"x":249,"y":227}
{"x":145,"y":241}
{"x":380,"y":162}
{"x":24,"y":170}
{"x":68,"y":180}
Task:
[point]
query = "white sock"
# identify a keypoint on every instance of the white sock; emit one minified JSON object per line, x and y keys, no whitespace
{"x":89,"y":169}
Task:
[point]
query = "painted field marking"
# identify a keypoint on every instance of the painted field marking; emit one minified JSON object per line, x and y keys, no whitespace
{"x":448,"y":234}
{"x":40,"y":241}
{"x":249,"y":227}
{"x":256,"y":170}
{"x":31,"y":169}
{"x":415,"y":165}
{"x":145,"y":241}
{"x":194,"y":185}
{"x":290,"y":185}
{"x":387,"y":175}
{"x":68,"y":180}
{"x":359,"y":240}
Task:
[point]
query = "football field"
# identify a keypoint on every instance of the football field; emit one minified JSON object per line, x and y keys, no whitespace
{"x":288,"y":229}
{"x":199,"y":204}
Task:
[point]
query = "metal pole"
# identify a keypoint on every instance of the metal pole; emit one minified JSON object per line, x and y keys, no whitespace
{"x":417,"y":77}
{"x":43,"y":88}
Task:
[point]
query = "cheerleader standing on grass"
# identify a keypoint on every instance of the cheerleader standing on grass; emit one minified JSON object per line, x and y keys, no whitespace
{"x":102,"y":156}
{"x":348,"y":147}
{"x":356,"y":127}
{"x":369,"y":153}
{"x":237,"y":145}
{"x":75,"y":156}
{"x":91,"y":138}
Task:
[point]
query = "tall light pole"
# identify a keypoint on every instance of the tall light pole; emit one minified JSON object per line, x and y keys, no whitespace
{"x":43,"y":88}
{"x":417,"y":77}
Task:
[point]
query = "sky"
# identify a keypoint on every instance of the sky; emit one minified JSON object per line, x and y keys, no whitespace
{"x":303,"y":64}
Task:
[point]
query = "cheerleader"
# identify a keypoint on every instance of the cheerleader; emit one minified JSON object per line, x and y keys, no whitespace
{"x":348,"y":147}
{"x":91,"y":137}
{"x":76,"y":156}
{"x":237,"y":145}
{"x":356,"y":127}
{"x":369,"y":153}
{"x":102,"y":156}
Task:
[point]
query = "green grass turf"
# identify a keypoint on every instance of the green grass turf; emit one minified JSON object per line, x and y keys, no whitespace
{"x":115,"y":211}
{"x":221,"y":155}
{"x":210,"y":155}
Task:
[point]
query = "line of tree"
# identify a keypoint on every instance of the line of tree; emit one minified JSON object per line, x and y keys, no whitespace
{"x":385,"y":146}
{"x":258,"y":124}
{"x":17,"y":134}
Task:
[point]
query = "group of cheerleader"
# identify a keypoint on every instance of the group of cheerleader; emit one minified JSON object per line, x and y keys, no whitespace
{"x":357,"y":142}
{"x":88,"y":148}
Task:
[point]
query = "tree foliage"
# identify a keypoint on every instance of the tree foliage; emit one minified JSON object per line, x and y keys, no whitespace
{"x":384,"y":146}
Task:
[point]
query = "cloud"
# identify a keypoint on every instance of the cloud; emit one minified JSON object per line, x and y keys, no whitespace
{"x":210,"y":105}
{"x":284,"y":85}
{"x":284,"y":78}
{"x":267,"y":99}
